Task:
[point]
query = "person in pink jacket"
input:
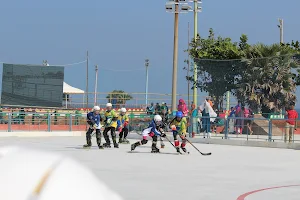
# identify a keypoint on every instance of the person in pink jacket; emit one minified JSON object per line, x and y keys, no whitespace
{"x":182,"y":107}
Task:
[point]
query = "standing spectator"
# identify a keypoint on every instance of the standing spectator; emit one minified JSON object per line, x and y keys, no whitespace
{"x":238,"y":106}
{"x":232,"y":112}
{"x":231,"y":120}
{"x":199,"y":119}
{"x":167,"y":108}
{"x":291,"y":122}
{"x":150,"y":109}
{"x":182,"y":107}
{"x":157,"y":109}
{"x":239,"y":122}
{"x":248,"y":121}
{"x":208,"y":116}
{"x":194,"y":119}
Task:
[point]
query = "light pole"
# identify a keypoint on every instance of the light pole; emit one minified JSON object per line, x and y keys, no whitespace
{"x":280,"y":26}
{"x":176,"y":7}
{"x":96,"y":84}
{"x":146,"y":89}
{"x":196,"y":9}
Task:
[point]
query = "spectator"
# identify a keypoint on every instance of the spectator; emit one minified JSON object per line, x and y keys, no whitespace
{"x":232,"y":112}
{"x":208,"y":99}
{"x":238,"y":106}
{"x":291,"y":122}
{"x":150,"y":109}
{"x":208,"y":116}
{"x":231,"y":120}
{"x":167,"y":108}
{"x":248,"y":122}
{"x":157,"y":109}
{"x":182,"y":107}
{"x":194,"y":115}
{"x":199,"y":119}
{"x":239,"y":122}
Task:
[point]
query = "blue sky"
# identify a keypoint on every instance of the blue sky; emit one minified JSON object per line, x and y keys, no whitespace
{"x":121,"y":34}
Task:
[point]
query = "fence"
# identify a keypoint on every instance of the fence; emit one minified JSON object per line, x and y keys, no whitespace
{"x":257,"y":128}
{"x":130,"y":100}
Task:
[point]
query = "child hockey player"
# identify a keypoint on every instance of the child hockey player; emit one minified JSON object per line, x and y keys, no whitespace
{"x":123,"y":121}
{"x":154,"y":130}
{"x":110,"y":125}
{"x":178,"y":126}
{"x":93,"y":119}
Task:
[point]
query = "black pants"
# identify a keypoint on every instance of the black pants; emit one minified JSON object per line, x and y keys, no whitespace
{"x":89,"y":136}
{"x":123,"y":132}
{"x":113,"y":134}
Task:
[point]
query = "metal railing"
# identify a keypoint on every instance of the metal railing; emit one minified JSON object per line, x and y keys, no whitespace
{"x":233,"y":128}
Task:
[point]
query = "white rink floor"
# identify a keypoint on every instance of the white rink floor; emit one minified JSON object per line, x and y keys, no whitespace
{"x":228,"y":174}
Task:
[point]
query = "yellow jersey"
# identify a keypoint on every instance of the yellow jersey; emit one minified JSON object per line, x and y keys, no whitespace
{"x":111,"y":118}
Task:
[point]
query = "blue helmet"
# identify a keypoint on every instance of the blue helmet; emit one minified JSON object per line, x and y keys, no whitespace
{"x":179,"y":114}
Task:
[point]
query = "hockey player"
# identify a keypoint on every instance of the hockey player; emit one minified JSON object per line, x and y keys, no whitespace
{"x":94,"y":119}
{"x":154,"y":130}
{"x":123,"y":121}
{"x":110,"y":125}
{"x":178,"y":126}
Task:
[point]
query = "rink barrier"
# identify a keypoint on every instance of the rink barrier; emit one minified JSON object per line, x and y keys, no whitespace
{"x":264,"y":129}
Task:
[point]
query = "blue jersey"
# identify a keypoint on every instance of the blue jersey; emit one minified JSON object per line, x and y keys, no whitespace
{"x":94,"y":119}
{"x":154,"y":127}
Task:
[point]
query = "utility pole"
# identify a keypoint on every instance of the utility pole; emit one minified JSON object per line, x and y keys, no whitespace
{"x":175,"y":57}
{"x":188,"y":65}
{"x":195,"y":65}
{"x":280,"y":26}
{"x":87,"y":80}
{"x":146,"y":89}
{"x":96,"y":84}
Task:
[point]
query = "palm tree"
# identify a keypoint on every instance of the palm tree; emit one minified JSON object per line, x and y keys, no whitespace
{"x":267,"y":82}
{"x":118,"y":97}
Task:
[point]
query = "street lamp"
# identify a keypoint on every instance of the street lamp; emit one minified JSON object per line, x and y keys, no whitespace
{"x":280,"y":26}
{"x":96,"y":84}
{"x":146,"y":89}
{"x":176,"y":7}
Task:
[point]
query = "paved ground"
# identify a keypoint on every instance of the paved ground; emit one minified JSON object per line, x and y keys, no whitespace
{"x":230,"y":173}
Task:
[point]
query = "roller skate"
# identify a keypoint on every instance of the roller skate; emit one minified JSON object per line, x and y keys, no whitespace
{"x":87,"y":146}
{"x":125,"y":141}
{"x":106,"y":145}
{"x":154,"y":149}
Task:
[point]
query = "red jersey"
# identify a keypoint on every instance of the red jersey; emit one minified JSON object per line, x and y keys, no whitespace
{"x":292,"y":116}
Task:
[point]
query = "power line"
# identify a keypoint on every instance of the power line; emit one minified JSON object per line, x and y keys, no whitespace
{"x":64,"y":65}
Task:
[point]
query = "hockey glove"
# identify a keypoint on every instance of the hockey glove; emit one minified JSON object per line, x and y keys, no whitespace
{"x":182,"y":136}
{"x":173,"y":127}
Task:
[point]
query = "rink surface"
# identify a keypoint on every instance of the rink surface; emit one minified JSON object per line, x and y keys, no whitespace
{"x":230,"y":173}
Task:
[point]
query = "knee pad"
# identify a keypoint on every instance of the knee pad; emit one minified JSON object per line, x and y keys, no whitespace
{"x":144,"y":141}
{"x":176,"y":143}
{"x":183,"y":145}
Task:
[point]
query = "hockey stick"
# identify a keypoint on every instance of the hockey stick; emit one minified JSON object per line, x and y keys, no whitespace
{"x":204,"y":154}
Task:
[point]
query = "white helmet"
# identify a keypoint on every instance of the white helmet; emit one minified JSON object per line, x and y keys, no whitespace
{"x":123,"y":110}
{"x":96,"y":108}
{"x":157,"y":118}
{"x":108,"y":105}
